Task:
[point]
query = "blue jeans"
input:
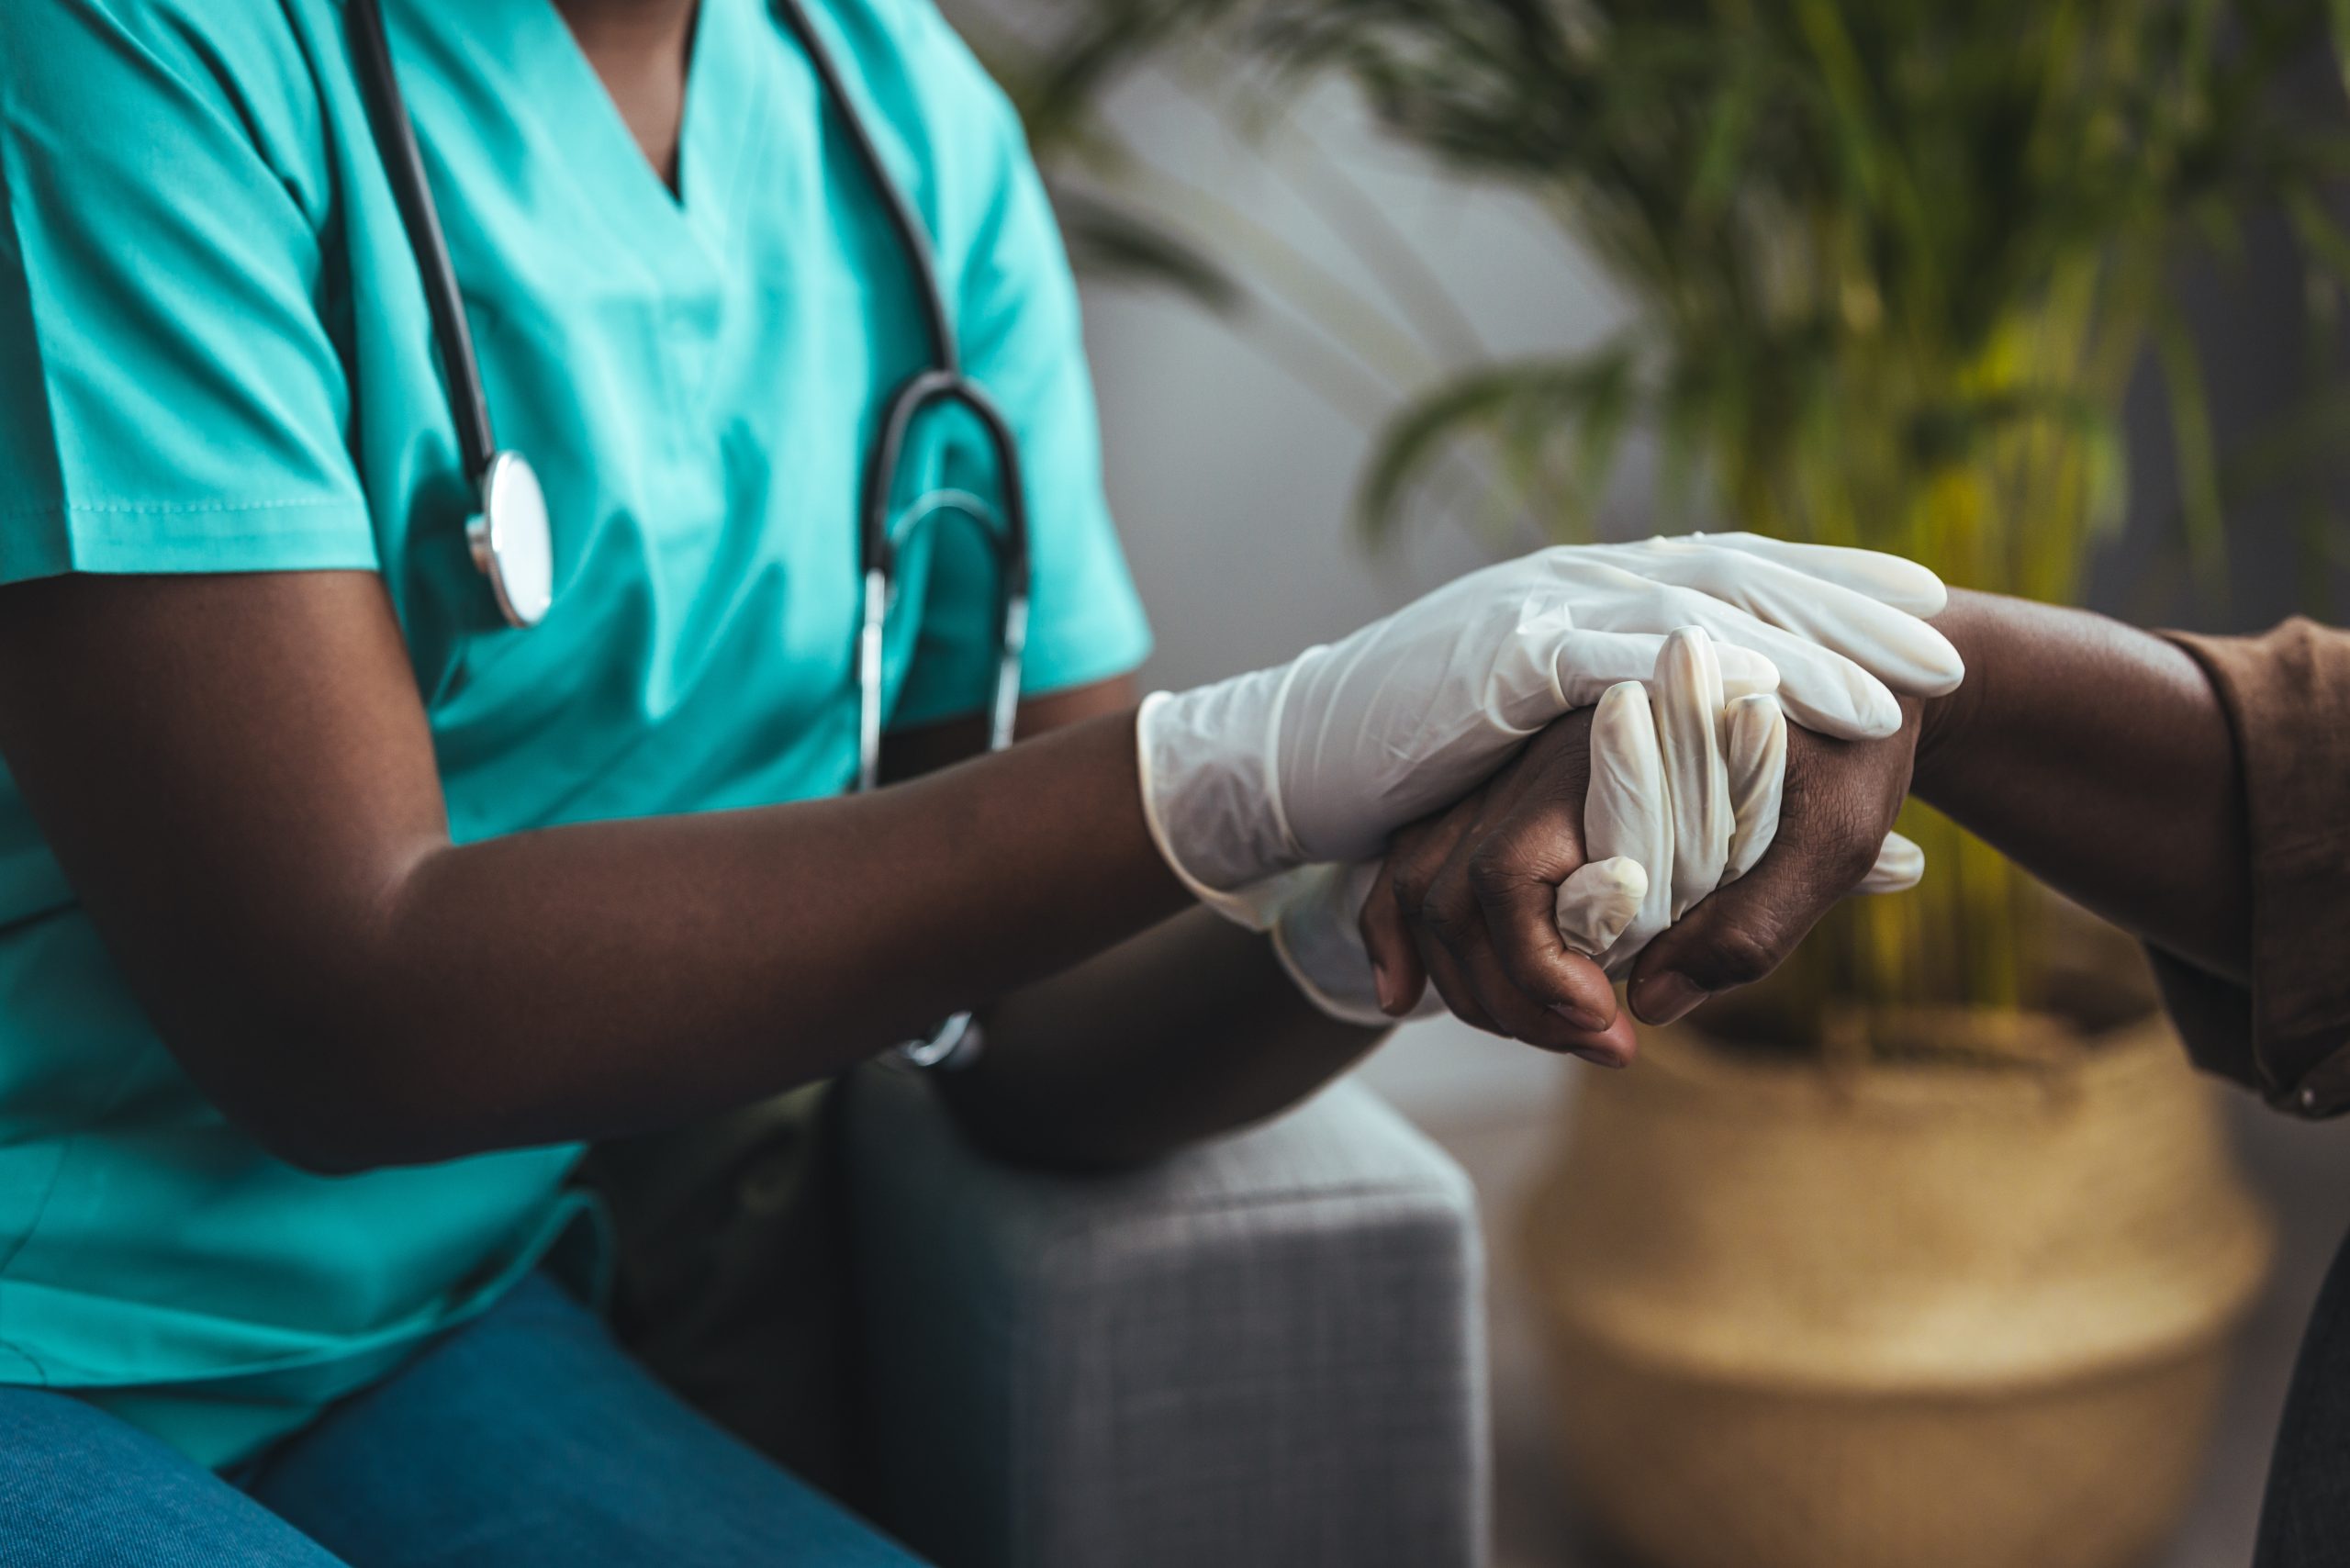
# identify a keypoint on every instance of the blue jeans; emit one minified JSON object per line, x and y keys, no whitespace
{"x":526,"y":1437}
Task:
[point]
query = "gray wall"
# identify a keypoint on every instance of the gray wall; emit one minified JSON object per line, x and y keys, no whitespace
{"x":1233,"y":474}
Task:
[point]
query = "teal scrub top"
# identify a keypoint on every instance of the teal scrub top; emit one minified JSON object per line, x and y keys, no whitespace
{"x":215,"y":356}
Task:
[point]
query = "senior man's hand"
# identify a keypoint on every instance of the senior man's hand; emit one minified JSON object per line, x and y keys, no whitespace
{"x":1465,"y":901}
{"x":1466,"y":898}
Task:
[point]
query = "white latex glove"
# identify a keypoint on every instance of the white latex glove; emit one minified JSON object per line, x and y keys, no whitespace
{"x":1829,"y":609}
{"x":1691,"y":781}
{"x":1900,"y":865}
{"x":1660,"y":798}
{"x":1317,"y":933}
{"x":1686,"y":789}
{"x":1754,"y":757}
{"x":1599,"y":902}
{"x":1671,"y":760}
{"x":1320,"y":759}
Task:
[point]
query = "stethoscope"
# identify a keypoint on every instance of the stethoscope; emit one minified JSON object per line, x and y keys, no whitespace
{"x":512,"y":542}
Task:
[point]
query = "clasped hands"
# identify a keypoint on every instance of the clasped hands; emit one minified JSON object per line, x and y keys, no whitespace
{"x":1569,"y":767}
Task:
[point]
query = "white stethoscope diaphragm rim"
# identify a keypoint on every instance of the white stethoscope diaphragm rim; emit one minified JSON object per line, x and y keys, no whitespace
{"x":512,"y":543}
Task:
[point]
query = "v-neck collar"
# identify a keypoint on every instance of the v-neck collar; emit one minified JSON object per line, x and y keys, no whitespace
{"x":612,"y":168}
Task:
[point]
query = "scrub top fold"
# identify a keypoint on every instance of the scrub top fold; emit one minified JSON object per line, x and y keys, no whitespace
{"x":215,"y":356}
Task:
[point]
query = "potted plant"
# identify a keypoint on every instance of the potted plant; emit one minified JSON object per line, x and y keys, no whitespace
{"x":1925,"y":1254}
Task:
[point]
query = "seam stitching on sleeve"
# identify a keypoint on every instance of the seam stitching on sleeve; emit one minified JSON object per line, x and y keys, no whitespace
{"x":175,"y":508}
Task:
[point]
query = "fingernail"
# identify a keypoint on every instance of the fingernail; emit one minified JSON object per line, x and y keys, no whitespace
{"x":1597,"y":1058}
{"x":1663,"y":998}
{"x":1581,"y":1017}
{"x":1382,"y":986}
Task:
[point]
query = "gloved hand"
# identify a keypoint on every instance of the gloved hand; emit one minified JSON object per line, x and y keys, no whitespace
{"x":1685,"y":790}
{"x":1319,"y":759}
{"x":1317,"y":933}
{"x":1659,"y":796}
{"x":1688,"y":783}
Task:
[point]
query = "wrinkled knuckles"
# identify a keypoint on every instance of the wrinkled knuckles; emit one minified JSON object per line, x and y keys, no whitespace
{"x":1497,"y":871}
{"x":1734,"y":958}
{"x":1449,"y":915}
{"x":1408,"y":885}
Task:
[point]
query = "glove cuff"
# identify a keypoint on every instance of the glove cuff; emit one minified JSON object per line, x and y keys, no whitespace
{"x":1318,"y":939}
{"x":1209,"y":795}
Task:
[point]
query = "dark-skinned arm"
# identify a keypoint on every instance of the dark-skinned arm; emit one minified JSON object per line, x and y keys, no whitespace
{"x":1188,"y":1029}
{"x":236,"y":774}
{"x":2100,"y":757}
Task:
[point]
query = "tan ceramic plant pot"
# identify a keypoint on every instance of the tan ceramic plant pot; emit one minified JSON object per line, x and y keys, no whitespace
{"x":1969,"y":1311}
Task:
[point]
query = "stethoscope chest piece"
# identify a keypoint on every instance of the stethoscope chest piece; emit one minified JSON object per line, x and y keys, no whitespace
{"x":509,"y":534}
{"x":512,"y":542}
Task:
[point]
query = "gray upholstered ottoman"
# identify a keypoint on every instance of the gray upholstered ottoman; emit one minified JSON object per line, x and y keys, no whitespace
{"x":1264,"y":1353}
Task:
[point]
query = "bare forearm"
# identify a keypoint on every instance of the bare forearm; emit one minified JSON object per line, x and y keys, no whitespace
{"x":1191,"y":1029}
{"x":651,"y":971}
{"x":595,"y":979}
{"x":2098,"y":757}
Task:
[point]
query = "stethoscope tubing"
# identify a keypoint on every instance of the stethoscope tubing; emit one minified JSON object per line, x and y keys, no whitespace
{"x":941,"y":381}
{"x":411,"y":192}
{"x":877,"y":554}
{"x":913,"y":239}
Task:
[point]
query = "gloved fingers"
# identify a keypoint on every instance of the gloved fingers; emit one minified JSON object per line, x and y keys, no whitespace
{"x":1549,"y":663}
{"x":1897,"y":647}
{"x":1688,"y":704}
{"x":1745,"y":673}
{"x":1835,"y":810}
{"x":1892,"y":580}
{"x":1627,"y":808}
{"x":1821,"y":689}
{"x":1588,"y":662}
{"x":1518,"y":687}
{"x":1598,"y":902}
{"x":1754,"y":754}
{"x":1900,"y":865}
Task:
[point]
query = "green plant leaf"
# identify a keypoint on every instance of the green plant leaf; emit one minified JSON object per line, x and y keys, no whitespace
{"x":1524,"y":406}
{"x":2197,"y":464}
{"x":1114,"y":242}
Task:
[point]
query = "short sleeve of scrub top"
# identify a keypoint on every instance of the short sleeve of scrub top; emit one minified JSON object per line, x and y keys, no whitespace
{"x":215,"y":356}
{"x":171,"y":398}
